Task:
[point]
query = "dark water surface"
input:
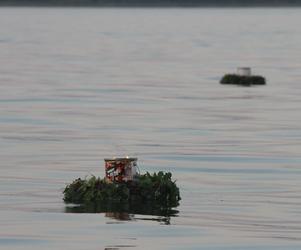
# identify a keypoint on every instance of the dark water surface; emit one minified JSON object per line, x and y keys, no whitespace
{"x":78,"y":85}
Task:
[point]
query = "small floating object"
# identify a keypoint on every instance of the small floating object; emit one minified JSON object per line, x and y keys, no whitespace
{"x":120,"y":169}
{"x":124,"y":185}
{"x":244,"y":71}
{"x":243,"y":77}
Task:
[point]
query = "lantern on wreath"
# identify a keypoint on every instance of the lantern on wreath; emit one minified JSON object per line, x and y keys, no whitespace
{"x":120,"y":169}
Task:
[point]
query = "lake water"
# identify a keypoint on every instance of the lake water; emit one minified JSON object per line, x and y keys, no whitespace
{"x":81,"y":84}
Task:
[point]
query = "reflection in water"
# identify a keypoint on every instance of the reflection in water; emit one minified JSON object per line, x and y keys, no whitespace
{"x":126,"y":212}
{"x":119,"y":216}
{"x":126,"y":216}
{"x":118,"y":247}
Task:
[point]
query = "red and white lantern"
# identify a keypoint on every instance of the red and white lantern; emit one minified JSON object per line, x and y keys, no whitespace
{"x":120,"y":169}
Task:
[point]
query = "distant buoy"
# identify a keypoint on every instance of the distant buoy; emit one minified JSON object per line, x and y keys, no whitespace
{"x":243,"y":77}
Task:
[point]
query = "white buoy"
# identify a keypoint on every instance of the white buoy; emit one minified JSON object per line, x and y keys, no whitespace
{"x":244,"y":71}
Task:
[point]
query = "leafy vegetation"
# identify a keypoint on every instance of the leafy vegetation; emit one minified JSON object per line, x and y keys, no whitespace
{"x":95,"y":193}
{"x":147,"y":208}
{"x":242,"y":80}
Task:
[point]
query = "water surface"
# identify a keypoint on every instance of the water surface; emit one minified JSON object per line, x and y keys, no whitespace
{"x":78,"y":85}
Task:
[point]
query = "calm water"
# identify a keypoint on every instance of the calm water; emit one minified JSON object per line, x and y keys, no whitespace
{"x":79,"y":85}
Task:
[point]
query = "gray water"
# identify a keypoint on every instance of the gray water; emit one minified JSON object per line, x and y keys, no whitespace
{"x":78,"y":85}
